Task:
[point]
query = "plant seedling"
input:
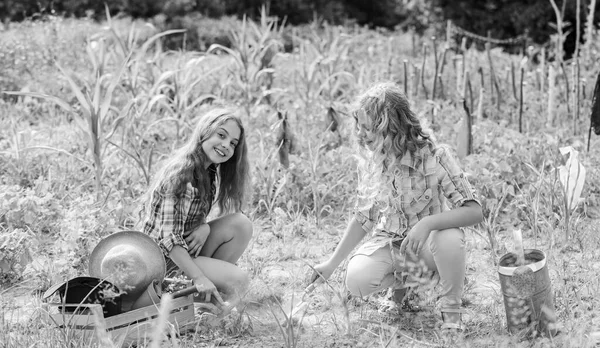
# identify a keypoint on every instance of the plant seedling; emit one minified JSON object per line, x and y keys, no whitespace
{"x":303,"y":304}
{"x":518,"y":239}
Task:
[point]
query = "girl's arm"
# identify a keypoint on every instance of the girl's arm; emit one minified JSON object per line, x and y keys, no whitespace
{"x":184,"y":261}
{"x":352,"y":236}
{"x":204,"y":286}
{"x":170,"y":221}
{"x":468,"y":214}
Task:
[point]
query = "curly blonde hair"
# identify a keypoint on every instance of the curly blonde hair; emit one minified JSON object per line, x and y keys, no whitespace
{"x":393,"y":130}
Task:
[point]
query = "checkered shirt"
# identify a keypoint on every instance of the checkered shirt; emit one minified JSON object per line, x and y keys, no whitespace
{"x":424,"y":183}
{"x":169,"y":219}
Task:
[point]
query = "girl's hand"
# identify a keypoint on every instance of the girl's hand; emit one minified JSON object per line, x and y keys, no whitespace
{"x":195,"y":240}
{"x":322,"y":272}
{"x":207,"y":289}
{"x":415,"y":239}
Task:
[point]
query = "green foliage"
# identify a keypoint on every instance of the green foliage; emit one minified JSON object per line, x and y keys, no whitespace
{"x":14,"y":256}
{"x":508,"y":19}
{"x":502,"y":19}
{"x":143,"y":8}
{"x":21,"y":9}
{"x":28,"y":215}
{"x":34,"y":209}
{"x":48,"y":200}
{"x":200,"y":32}
{"x":87,"y":8}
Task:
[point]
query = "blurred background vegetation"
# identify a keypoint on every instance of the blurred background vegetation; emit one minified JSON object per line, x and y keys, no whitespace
{"x":500,"y":19}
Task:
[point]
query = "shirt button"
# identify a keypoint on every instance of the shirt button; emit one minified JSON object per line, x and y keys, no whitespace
{"x":427,"y":197}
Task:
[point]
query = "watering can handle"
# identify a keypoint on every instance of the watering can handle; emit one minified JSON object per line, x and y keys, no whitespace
{"x":184,"y":292}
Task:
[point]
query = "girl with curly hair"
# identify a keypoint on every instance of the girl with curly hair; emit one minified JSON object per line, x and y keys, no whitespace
{"x":211,"y":168}
{"x":406,"y":183}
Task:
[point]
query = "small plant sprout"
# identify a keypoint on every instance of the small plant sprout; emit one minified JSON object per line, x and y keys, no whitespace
{"x":572,"y":177}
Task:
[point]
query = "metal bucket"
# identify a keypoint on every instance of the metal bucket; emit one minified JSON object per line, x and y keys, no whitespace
{"x":527,"y":293}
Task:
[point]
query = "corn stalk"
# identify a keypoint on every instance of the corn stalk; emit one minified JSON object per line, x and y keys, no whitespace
{"x":94,"y":109}
{"x":253,"y":49}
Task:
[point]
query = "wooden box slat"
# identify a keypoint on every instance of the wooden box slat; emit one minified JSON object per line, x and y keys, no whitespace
{"x":125,"y":328}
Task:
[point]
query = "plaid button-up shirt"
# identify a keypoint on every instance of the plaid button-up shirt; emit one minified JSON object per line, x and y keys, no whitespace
{"x":169,"y":220}
{"x":423,"y":184}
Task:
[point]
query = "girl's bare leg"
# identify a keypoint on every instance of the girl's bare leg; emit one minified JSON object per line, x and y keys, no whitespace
{"x":229,"y":236}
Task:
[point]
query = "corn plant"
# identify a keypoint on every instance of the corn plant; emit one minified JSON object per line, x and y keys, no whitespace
{"x":153,"y":86}
{"x":288,"y":327}
{"x":534,"y":199}
{"x":178,"y":89}
{"x":270,"y":182}
{"x":94,"y":108}
{"x":138,"y":75}
{"x":322,"y":183}
{"x":254,"y":47}
{"x":308,"y":77}
{"x":323,"y":67}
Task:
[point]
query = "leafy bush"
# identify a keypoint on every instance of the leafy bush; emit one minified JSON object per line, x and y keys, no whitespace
{"x":508,"y":19}
{"x":33,"y":209}
{"x":201,"y":31}
{"x":14,"y":255}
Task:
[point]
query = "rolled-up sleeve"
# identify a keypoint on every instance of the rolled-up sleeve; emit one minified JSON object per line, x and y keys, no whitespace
{"x":168,"y":222}
{"x":454,"y":183}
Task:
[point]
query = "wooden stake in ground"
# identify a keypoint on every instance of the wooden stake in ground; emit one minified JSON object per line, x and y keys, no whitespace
{"x":521,"y":97}
{"x":405,"y":64}
{"x":595,"y":116}
{"x":423,"y":71}
{"x":552,"y":95}
{"x":435,"y":59}
{"x":465,"y":135}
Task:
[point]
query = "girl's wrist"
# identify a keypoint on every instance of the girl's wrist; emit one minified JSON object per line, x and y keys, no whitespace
{"x":198,"y":278}
{"x":334,"y":262}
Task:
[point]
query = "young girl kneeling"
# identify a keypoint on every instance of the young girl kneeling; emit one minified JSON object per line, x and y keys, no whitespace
{"x":407,"y":181}
{"x":182,"y":195}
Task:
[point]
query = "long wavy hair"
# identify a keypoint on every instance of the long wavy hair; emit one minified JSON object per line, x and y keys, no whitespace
{"x":187,"y":165}
{"x":394,"y":130}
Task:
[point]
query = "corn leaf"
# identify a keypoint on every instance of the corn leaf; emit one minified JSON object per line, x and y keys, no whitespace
{"x":83,"y":100}
{"x":595,"y":115}
{"x":56,"y":100}
{"x":116,"y":78}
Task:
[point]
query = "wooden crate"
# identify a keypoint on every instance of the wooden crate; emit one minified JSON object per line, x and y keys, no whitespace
{"x":124,"y":329}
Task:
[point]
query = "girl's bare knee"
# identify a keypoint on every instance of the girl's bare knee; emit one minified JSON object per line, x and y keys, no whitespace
{"x":358,"y":279}
{"x":243,"y":227}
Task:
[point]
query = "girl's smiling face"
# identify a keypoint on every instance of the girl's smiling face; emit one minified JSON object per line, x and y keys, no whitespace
{"x":220,"y":146}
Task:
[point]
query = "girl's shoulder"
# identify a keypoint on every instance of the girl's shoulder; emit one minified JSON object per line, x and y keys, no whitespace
{"x":442,"y":150}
